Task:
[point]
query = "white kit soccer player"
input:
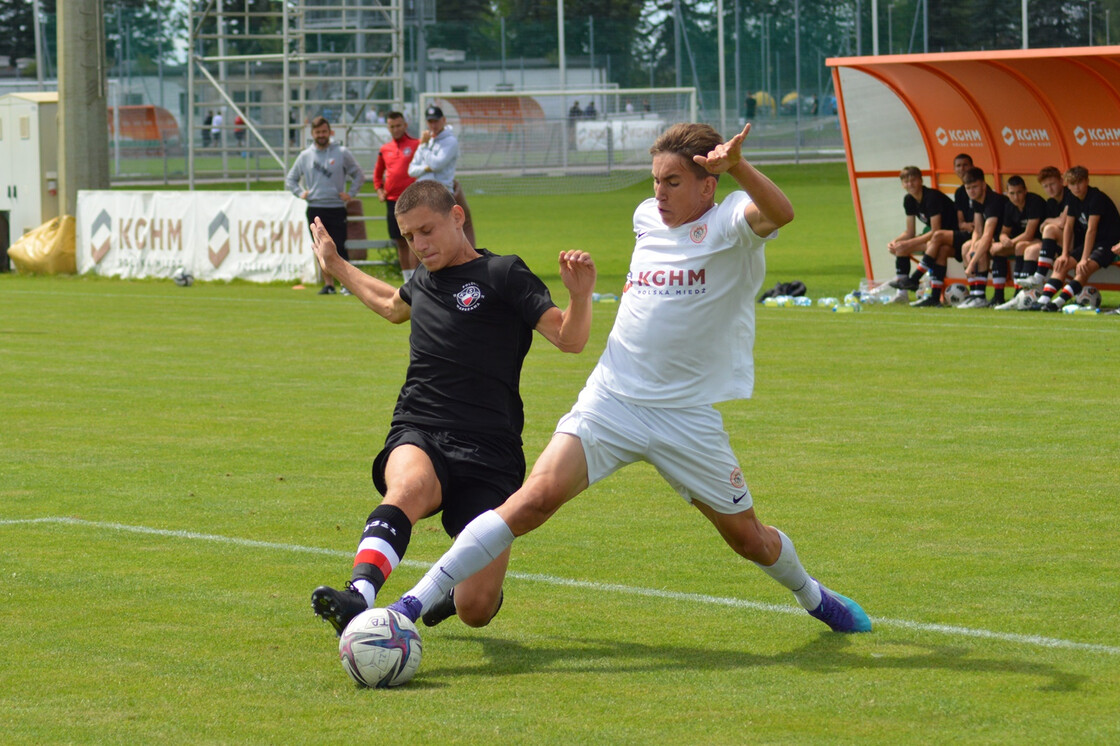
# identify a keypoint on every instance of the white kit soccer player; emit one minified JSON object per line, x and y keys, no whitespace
{"x":682,"y":341}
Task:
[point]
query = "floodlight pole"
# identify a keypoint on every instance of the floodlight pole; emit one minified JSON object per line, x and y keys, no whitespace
{"x":1023,"y":13}
{"x":875,"y":27}
{"x":563,"y":60}
{"x":722,"y":70}
{"x":38,"y":44}
{"x":560,"y":44}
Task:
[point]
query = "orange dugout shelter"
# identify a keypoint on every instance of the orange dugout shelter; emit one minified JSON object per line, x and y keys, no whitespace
{"x":1014,"y":112}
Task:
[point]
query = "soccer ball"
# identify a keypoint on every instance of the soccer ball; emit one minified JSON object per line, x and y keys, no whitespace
{"x":1089,"y":297}
{"x":955,"y":294}
{"x":380,"y":648}
{"x":182,"y":278}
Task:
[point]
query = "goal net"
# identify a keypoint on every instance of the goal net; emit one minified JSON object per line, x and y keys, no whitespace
{"x":546,"y":142}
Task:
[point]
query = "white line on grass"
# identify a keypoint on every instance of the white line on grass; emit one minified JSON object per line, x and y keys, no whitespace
{"x":923,"y":321}
{"x":700,"y":598}
{"x":171,"y":295}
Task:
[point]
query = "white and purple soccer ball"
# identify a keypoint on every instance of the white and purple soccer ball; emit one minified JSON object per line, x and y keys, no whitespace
{"x":380,"y":648}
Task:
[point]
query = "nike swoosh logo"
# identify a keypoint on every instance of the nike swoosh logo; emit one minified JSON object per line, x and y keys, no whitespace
{"x":737,"y":499}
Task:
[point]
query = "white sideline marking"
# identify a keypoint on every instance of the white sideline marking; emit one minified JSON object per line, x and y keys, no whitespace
{"x":945,"y":629}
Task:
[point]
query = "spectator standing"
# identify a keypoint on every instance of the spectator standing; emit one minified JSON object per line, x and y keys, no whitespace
{"x":216,"y":130}
{"x":319,"y":176}
{"x":437,"y":158}
{"x":574,"y":113}
{"x":209,"y":120}
{"x":239,"y":134}
{"x":390,"y":178}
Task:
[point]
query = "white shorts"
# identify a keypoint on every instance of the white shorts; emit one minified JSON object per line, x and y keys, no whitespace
{"x":688,"y":446}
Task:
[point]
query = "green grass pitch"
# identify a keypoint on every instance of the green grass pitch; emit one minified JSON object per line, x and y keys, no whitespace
{"x":179,"y":467}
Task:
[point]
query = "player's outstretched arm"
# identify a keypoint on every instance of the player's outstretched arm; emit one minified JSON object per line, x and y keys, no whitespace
{"x":379,"y":296}
{"x":770,"y":209}
{"x":570,"y":328}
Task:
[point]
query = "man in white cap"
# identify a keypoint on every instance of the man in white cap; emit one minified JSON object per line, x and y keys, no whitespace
{"x":436,"y":159}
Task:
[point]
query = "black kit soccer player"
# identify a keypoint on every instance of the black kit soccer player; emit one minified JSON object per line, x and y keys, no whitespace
{"x":454,"y":444}
{"x":1058,"y":202}
{"x":935,"y":211}
{"x":1092,"y":230}
{"x":682,"y":341}
{"x":988,"y":207}
{"x":948,"y":242}
{"x":1022,"y":222}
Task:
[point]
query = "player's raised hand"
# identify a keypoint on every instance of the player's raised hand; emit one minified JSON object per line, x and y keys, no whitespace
{"x":577,"y":272}
{"x":322,"y":243}
{"x":725,"y":155}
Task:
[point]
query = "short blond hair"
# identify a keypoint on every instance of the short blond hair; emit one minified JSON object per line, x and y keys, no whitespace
{"x":1076,"y":175}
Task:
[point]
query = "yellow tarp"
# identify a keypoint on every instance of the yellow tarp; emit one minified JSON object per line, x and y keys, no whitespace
{"x":47,"y":250}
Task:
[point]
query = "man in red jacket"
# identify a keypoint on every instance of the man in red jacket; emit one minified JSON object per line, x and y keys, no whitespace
{"x":390,"y":178}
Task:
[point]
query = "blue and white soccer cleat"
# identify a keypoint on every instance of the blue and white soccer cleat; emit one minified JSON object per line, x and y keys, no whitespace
{"x":409,"y":606}
{"x":841,"y":613}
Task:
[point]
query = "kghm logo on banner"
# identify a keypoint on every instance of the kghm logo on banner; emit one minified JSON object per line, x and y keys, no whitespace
{"x":217,"y":239}
{"x":1026,"y":137}
{"x":1097,"y":136}
{"x":958,"y":137}
{"x":101,"y":236}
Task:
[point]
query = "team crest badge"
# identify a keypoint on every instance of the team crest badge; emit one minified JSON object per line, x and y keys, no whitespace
{"x":407,"y":151}
{"x":697,"y":234}
{"x":737,"y":480}
{"x":469,"y":297}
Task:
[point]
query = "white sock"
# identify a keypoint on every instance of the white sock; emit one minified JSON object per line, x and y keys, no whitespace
{"x":484,"y":538}
{"x":407,"y":273}
{"x":788,"y":571}
{"x":369,"y":593}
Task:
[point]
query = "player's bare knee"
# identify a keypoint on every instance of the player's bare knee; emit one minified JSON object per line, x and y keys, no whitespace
{"x":475,"y":612}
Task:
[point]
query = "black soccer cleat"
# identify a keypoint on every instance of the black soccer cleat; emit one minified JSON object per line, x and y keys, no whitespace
{"x":445,"y":608}
{"x":440,"y":610}
{"x":337,"y":607}
{"x":904,"y":283}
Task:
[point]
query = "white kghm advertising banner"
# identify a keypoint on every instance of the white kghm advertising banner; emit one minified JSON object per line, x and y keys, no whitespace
{"x":212,"y":235}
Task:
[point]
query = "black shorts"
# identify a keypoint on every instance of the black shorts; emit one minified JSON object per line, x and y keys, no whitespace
{"x":334,"y":220}
{"x":391,"y":219}
{"x":959,"y":239}
{"x":1103,"y":256}
{"x":476,"y":472}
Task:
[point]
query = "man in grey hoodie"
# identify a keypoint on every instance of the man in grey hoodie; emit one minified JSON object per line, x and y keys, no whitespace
{"x":319,"y":176}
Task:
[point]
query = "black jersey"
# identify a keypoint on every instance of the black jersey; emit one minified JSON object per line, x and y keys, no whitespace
{"x":472,"y":325}
{"x":963,"y":203}
{"x":1033,"y":209}
{"x":1097,"y":202}
{"x":933,"y":203}
{"x":993,"y":206}
{"x":1054,"y":207}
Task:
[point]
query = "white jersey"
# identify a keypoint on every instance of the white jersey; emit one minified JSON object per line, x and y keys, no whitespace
{"x":684,"y":334}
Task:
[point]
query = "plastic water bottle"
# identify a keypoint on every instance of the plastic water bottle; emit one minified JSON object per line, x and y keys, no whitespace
{"x":851,"y":298}
{"x":1072,"y":308}
{"x":847,"y":308}
{"x":828,"y":301}
{"x":771,"y":302}
{"x":604,"y":298}
{"x":802,"y":301}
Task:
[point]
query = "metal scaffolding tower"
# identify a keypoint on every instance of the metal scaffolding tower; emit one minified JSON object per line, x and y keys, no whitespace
{"x":277,"y":64}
